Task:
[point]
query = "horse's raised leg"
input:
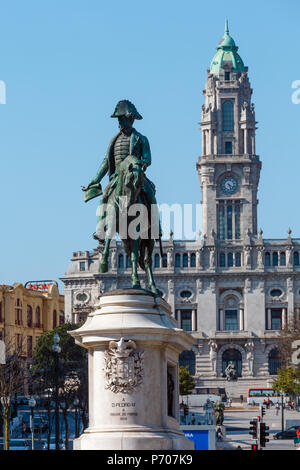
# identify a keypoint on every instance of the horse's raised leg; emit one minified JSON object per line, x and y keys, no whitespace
{"x":134,"y":265}
{"x":103,"y":267}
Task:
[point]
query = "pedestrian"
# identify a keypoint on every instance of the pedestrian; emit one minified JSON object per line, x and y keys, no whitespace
{"x":241,"y":398}
{"x":23,"y":428}
{"x":193,"y":418}
{"x":219,"y":433}
{"x":10,"y":428}
{"x":298,"y":435}
{"x":277,"y":406}
{"x":268,"y":403}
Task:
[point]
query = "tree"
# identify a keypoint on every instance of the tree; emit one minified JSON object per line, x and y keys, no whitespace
{"x":186,"y":381}
{"x":286,"y":343}
{"x":287,"y":381}
{"x":11,"y":379}
{"x":72,"y":372}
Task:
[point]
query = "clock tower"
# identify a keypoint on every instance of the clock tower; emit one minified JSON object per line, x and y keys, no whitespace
{"x":228,"y":168}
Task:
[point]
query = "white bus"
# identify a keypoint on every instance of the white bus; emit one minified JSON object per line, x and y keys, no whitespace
{"x":257,"y":396}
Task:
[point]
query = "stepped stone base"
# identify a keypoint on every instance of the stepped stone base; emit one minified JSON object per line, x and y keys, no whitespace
{"x":133,"y":344}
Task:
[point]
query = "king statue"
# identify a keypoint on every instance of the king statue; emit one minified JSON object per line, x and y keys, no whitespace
{"x":126,"y":161}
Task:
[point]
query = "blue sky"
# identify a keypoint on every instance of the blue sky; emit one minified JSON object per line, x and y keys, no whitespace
{"x":66,"y":63}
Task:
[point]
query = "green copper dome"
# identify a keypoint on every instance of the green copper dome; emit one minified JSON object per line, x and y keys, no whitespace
{"x":226,"y":52}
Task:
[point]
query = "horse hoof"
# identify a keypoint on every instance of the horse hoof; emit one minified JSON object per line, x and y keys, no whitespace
{"x":155,"y":290}
{"x":103,"y":267}
{"x":136,"y":285}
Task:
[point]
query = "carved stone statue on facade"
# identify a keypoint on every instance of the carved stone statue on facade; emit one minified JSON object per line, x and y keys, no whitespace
{"x":127,"y":159}
{"x":247,"y":254}
{"x":249,"y":346}
{"x":212,"y":257}
{"x":260,"y":257}
{"x":231,"y":372}
{"x":213,"y":355}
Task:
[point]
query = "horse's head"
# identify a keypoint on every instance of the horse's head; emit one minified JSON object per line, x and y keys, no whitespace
{"x":133,"y":175}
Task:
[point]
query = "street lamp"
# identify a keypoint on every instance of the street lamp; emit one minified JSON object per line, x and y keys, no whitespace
{"x":297,"y":402}
{"x":56,"y":350}
{"x":32,"y":404}
{"x":282,"y":410}
{"x":76,"y":403}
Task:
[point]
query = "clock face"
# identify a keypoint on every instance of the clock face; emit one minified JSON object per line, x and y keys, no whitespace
{"x":229,"y":185}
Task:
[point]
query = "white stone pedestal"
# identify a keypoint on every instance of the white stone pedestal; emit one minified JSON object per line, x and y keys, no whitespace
{"x":133,"y":345}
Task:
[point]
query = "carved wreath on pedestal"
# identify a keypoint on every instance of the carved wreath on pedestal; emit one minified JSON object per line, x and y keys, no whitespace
{"x":124,"y":367}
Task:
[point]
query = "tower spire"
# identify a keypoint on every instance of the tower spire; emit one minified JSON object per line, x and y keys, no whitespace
{"x":226,"y":27}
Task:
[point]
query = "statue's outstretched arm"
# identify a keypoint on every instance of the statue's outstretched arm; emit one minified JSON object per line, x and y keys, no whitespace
{"x":100,"y":173}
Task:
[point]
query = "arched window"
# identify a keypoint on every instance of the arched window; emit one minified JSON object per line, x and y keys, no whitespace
{"x":282,"y":258}
{"x":61,"y":317}
{"x":227,"y":113}
{"x":185,"y":260}
{"x":230,"y":259}
{"x":29,"y":316}
{"x":121,"y":261}
{"x":38,"y":317}
{"x":275,"y":258}
{"x":296,"y":258}
{"x":193,"y":260}
{"x":18,"y":312}
{"x":267,"y":259}
{"x":157,"y":261}
{"x":274,"y":361}
{"x":238,"y":259}
{"x":187,"y":358}
{"x":128,"y":264}
{"x":222,"y":260}
{"x":186,"y":294}
{"x":234,"y":356}
{"x":177,"y":260}
{"x":164,"y":261}
{"x":54,"y":319}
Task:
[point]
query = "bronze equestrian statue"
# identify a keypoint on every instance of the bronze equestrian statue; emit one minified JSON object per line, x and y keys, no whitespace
{"x":126,"y":161}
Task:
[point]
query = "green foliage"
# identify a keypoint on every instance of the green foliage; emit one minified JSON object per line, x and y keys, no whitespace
{"x":287,"y":380}
{"x":186,"y":381}
{"x":70,"y":352}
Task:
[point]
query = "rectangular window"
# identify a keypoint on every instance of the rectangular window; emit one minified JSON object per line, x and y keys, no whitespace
{"x":237,"y":209}
{"x":227,"y":75}
{"x":229,"y":222}
{"x":228,"y":148}
{"x":231,"y":320}
{"x":221,"y":221}
{"x":276,"y":318}
{"x":186,"y":320}
{"x":82,"y":266}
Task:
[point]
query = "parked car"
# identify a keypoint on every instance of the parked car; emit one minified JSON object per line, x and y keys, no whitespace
{"x":289,"y":433}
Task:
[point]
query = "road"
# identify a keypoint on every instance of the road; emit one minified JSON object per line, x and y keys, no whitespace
{"x":237,"y":429}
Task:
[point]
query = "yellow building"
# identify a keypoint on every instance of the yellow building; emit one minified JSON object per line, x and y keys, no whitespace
{"x":27,"y":312}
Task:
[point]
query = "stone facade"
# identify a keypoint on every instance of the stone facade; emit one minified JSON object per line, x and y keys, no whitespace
{"x":231,"y":288}
{"x":25,"y":314}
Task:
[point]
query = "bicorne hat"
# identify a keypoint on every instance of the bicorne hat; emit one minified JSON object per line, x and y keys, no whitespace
{"x":126,"y":108}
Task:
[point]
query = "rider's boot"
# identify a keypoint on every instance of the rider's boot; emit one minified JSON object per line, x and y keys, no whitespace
{"x":103,"y":266}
